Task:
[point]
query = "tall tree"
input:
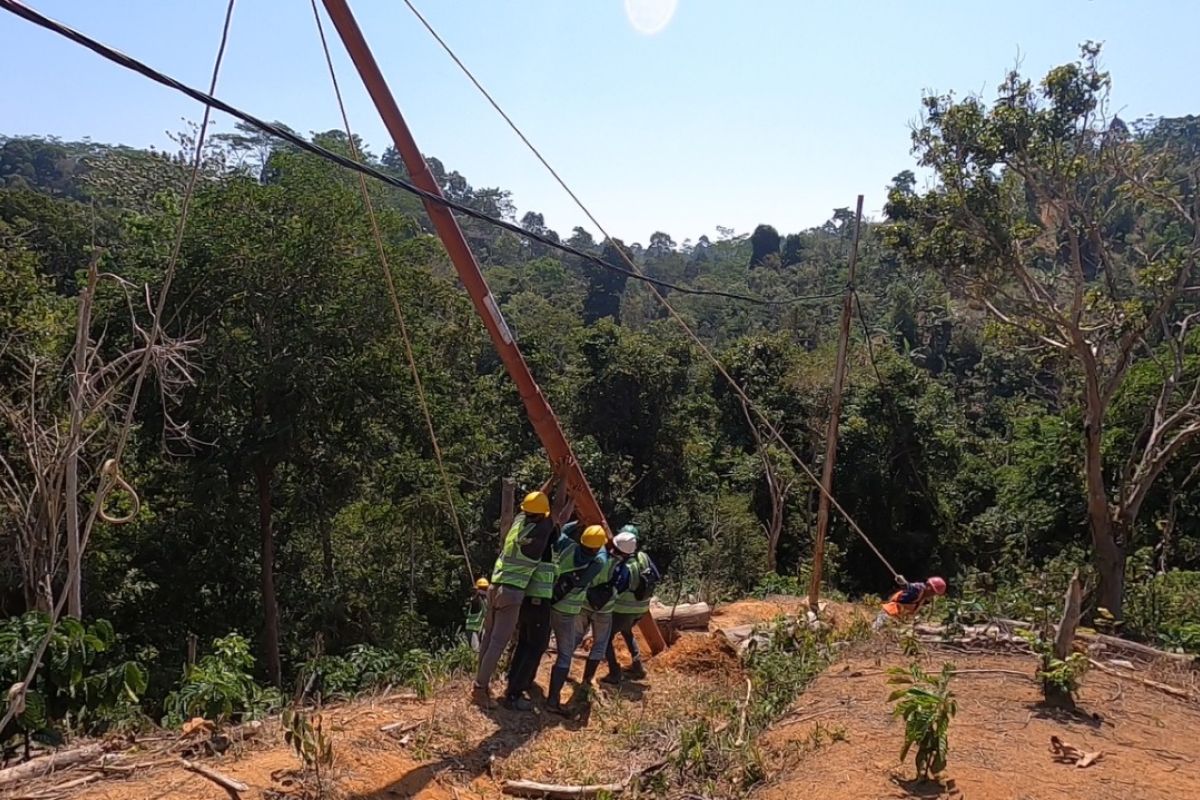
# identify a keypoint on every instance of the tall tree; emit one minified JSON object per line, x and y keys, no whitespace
{"x":764,"y":242}
{"x":1083,"y":239}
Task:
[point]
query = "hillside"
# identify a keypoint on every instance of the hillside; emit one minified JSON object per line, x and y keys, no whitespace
{"x":837,"y":739}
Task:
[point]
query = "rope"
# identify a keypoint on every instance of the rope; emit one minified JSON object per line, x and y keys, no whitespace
{"x":661,"y":299}
{"x":110,"y":473}
{"x":300,"y":143}
{"x":395,"y":300}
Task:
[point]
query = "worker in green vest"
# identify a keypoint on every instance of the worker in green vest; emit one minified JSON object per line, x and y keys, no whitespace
{"x":533,"y":630}
{"x":524,"y":545}
{"x":578,"y":565}
{"x":631,"y":605}
{"x":599,"y":601}
{"x":476,"y":609}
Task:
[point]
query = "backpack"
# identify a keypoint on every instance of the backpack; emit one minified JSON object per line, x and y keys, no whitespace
{"x":649,"y":580}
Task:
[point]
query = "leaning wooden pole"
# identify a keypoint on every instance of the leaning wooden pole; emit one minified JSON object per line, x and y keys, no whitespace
{"x":835,"y":413}
{"x":541,"y":415}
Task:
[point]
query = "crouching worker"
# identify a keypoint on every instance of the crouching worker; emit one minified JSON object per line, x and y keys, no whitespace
{"x":476,"y":611}
{"x":904,"y":604}
{"x":578,"y":565}
{"x":631,"y":605}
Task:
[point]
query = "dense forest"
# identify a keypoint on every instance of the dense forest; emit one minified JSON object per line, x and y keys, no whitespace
{"x":1022,"y":399}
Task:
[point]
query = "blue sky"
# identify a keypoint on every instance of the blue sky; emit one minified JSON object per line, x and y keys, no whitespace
{"x":736,"y":113}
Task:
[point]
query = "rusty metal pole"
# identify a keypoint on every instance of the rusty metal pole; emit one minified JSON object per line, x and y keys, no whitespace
{"x":541,"y":415}
{"x":835,"y":413}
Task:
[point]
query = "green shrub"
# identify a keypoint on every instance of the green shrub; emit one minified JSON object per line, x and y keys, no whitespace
{"x":1165,"y":609}
{"x":366,"y":668}
{"x":83,"y":681}
{"x":220,"y":686}
{"x":780,"y":670}
{"x":927,"y":705}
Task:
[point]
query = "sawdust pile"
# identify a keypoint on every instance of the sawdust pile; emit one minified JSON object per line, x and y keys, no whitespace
{"x":708,"y":655}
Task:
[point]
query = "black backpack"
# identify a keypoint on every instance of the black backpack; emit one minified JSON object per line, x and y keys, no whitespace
{"x":650,"y":577}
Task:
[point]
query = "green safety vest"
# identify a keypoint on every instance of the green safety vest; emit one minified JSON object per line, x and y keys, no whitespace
{"x":514,"y":568}
{"x":541,"y":585}
{"x":572,"y":604}
{"x":627,"y":602}
{"x":475,"y":618}
{"x":604,"y":577}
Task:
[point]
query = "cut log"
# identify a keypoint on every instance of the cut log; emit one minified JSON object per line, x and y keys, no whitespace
{"x":686,"y":616}
{"x":55,"y":762}
{"x":559,"y":792}
{"x":1145,"y":651}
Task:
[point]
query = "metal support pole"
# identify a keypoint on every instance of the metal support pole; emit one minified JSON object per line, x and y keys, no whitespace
{"x":541,"y":415}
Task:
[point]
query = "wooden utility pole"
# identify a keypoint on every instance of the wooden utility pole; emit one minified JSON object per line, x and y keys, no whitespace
{"x":541,"y":415}
{"x":835,"y":414}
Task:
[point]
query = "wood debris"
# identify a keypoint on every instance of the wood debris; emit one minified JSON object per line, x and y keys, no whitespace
{"x":1070,"y":754}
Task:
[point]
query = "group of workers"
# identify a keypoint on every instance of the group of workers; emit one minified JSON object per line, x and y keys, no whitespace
{"x":561,"y":581}
{"x":567,"y":581}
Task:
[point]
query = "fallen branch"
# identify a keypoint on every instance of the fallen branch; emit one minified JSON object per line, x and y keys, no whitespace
{"x":796,"y":719}
{"x":553,"y":791}
{"x":1151,"y":653}
{"x":401,"y":727}
{"x":224,"y":781}
{"x":56,"y":791}
{"x":1182,"y":694}
{"x":741,"y":737}
{"x":55,"y":762}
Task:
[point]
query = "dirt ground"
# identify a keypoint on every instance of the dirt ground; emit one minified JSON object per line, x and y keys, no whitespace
{"x":844,"y":744}
{"x":839,"y":740}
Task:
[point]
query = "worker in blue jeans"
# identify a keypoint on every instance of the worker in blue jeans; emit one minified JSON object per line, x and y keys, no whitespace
{"x":578,"y":565}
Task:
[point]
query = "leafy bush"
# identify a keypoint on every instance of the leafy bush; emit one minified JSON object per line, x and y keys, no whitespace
{"x":775,"y":584}
{"x":927,"y":705}
{"x":1165,"y":609}
{"x":365,"y":668}
{"x":779,"y":671}
{"x":220,"y":686}
{"x":83,"y":681}
{"x":1060,"y":677}
{"x":311,"y":743}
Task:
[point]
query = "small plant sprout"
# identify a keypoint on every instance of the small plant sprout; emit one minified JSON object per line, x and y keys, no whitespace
{"x":927,"y":705}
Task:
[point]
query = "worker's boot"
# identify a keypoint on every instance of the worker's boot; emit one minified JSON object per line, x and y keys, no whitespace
{"x":584,"y":694}
{"x":558,"y":677}
{"x":636,"y":670}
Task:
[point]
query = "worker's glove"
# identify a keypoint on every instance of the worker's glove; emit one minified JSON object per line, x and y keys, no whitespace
{"x":598,"y":596}
{"x":901,"y":580}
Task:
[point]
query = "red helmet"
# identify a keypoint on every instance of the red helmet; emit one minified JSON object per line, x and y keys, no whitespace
{"x":937,"y":584}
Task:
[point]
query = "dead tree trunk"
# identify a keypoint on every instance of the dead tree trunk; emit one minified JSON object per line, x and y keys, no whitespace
{"x":263,"y":473}
{"x":1064,"y":637}
{"x":507,"y":487}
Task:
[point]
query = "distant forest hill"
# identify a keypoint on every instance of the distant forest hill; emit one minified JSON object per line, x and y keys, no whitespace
{"x":1022,"y":399}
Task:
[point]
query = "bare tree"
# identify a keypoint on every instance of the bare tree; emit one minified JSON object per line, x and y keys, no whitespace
{"x":64,"y":420}
{"x":778,"y":489}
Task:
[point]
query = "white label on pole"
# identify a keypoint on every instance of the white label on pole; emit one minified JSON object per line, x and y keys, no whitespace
{"x":498,"y":318}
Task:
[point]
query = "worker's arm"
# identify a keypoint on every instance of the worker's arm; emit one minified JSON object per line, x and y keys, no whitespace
{"x":911,"y":593}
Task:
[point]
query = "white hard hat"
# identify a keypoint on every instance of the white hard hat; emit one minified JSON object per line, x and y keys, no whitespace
{"x":626,"y":542}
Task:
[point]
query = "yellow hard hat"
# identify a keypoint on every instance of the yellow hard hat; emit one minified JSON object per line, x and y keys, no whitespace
{"x":482,"y":583}
{"x":536,"y":503}
{"x":593,"y":537}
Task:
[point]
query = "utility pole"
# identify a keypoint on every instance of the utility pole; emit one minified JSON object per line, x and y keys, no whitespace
{"x":835,"y":414}
{"x":541,"y":415}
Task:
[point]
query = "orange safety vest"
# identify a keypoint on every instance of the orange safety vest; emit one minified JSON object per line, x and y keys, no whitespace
{"x":894,"y":608}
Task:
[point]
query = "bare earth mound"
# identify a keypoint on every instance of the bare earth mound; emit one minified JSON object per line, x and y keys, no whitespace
{"x":845,"y":745}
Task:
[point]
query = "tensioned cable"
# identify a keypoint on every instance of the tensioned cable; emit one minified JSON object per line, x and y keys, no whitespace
{"x":663,"y":300}
{"x":130,"y":63}
{"x":397,"y":310}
